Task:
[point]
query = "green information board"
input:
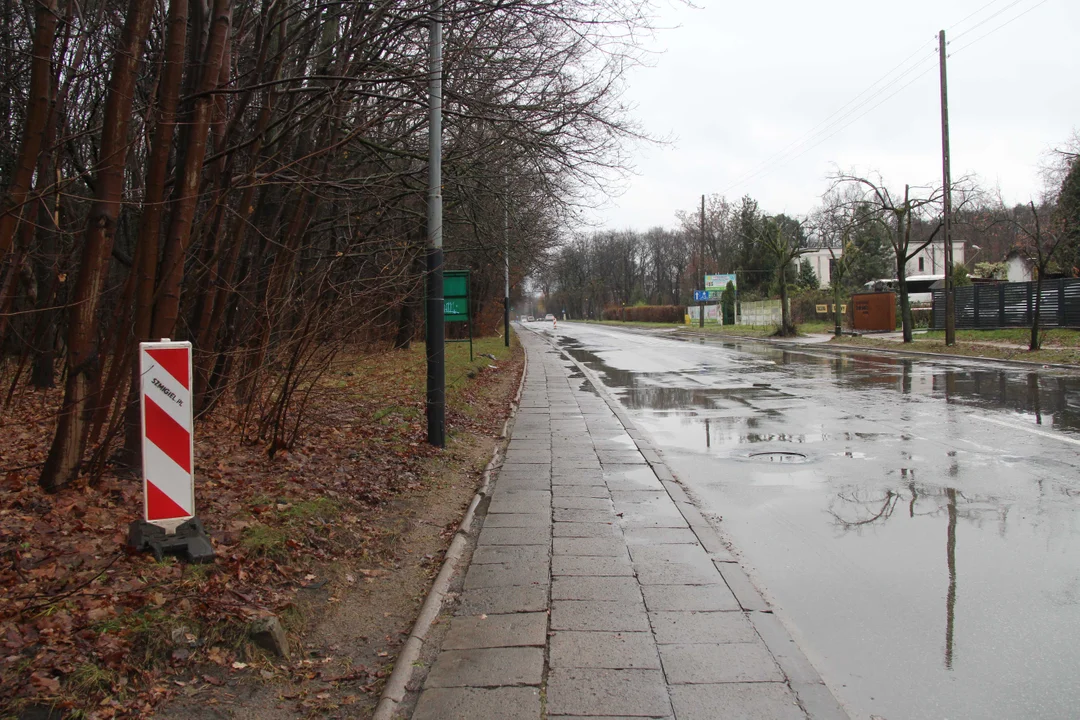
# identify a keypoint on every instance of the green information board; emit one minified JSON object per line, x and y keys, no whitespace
{"x":456,"y":295}
{"x":456,"y":301}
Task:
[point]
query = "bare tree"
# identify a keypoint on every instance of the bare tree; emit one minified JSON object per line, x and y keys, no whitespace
{"x":1042,"y":236}
{"x":84,"y":360}
{"x":895,"y":217}
{"x":257,"y":181}
{"x":782,"y":239}
{"x":833,"y":227}
{"x":34,"y":127}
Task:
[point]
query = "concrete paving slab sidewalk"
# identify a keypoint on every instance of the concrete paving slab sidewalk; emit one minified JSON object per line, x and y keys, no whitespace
{"x":597,"y":590}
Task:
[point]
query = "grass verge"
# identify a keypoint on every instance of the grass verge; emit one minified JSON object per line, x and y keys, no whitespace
{"x":1001,"y":351}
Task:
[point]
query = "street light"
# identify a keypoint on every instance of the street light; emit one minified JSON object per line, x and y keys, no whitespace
{"x":434,"y":334}
{"x":977,"y":251}
{"x":506,"y":272}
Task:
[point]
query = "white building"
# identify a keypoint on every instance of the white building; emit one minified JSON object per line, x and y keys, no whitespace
{"x":928,"y":261}
{"x":931,"y":259}
{"x":1019,"y":268}
{"x":821,"y":261}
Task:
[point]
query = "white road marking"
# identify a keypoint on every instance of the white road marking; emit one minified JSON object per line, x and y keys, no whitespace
{"x":1031,"y":430}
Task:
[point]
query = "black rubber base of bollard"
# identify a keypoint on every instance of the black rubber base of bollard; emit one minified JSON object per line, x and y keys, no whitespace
{"x":190,"y":540}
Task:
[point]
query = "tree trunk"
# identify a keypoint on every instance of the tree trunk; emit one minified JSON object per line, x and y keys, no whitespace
{"x":37,"y":119}
{"x":146,"y":252}
{"x":903,"y":239}
{"x":905,"y":306}
{"x":206,"y":346}
{"x":1034,"y":344}
{"x":49,"y":232}
{"x":186,"y":190}
{"x":787,"y":328}
{"x":206,"y":281}
{"x":836,"y":306}
{"x":69,"y":442}
{"x":405,"y":329}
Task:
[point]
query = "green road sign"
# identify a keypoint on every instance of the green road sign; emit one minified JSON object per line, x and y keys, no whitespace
{"x":456,"y":295}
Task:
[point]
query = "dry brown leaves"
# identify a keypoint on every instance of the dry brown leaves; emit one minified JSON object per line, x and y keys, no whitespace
{"x":87,"y":625}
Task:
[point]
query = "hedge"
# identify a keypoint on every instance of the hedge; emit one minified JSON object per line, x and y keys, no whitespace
{"x":647,"y":313}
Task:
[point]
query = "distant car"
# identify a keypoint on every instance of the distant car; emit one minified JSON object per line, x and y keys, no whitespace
{"x":529,"y":318}
{"x":549,"y":316}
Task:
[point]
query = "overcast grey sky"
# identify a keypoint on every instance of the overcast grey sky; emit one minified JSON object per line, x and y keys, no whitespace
{"x":736,"y":83}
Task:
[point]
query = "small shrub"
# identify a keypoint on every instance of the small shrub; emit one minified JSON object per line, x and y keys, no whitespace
{"x":804,"y":305}
{"x":920,"y":317}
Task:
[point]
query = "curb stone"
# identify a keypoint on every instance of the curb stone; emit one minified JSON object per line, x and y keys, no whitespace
{"x":396,"y":687}
{"x":828,"y":347}
{"x":813,"y":695}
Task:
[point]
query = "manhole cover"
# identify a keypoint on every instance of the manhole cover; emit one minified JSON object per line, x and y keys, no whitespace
{"x":779,"y":457}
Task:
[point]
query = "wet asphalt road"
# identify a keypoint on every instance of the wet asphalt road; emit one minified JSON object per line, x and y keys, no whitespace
{"x":916,"y":523}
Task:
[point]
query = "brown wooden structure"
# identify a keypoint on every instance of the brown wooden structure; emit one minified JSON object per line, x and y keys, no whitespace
{"x":874,"y":311}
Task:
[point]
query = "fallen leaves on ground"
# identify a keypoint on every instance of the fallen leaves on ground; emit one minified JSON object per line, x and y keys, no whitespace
{"x":87,"y":625}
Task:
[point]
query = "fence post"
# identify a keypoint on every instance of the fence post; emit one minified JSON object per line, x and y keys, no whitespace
{"x":1001,"y":304}
{"x":1061,"y":302}
{"x":1030,"y":290}
{"x":975,"y":302}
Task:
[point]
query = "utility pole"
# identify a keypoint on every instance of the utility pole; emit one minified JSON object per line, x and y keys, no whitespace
{"x":701,"y":304}
{"x":506,"y":267}
{"x":946,"y":179}
{"x":436,"y":325}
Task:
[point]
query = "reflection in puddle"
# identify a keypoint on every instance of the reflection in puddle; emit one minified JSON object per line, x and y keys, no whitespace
{"x":1052,"y":400}
{"x":915,"y":542}
{"x":853,"y":509}
{"x":779,"y":457}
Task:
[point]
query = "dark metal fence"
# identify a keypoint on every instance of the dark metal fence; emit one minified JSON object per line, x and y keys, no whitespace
{"x":1002,"y":305}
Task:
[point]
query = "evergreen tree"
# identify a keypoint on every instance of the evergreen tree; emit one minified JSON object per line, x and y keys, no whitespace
{"x":874,"y":259}
{"x":727,"y":303}
{"x":1068,"y":209}
{"x":755,"y":266}
{"x":960,"y":275}
{"x":807,"y":278}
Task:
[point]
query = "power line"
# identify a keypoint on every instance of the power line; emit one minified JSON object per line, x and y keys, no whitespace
{"x":839,"y":120}
{"x":991,"y":32}
{"x":848,"y":124}
{"x":813,"y":131}
{"x":987,"y":19}
{"x":968,"y":17}
{"x":800,"y":146}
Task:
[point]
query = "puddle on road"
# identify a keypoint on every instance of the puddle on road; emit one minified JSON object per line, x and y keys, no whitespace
{"x":1047,"y":400}
{"x":778,"y":457}
{"x":915,"y":540}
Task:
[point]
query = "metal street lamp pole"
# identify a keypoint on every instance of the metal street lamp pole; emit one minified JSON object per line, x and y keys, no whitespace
{"x":506,"y":270}
{"x":435,"y":334}
{"x":701,"y":304}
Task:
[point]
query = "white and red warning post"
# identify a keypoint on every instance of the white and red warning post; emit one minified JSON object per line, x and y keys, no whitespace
{"x":167,"y":433}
